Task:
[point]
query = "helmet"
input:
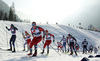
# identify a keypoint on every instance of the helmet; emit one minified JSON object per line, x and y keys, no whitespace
{"x":12,"y":25}
{"x":69,"y":35}
{"x":85,"y":39}
{"x":25,"y":31}
{"x":46,"y":30}
{"x":63,"y":36}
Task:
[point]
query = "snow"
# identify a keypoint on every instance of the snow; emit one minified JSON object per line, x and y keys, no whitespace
{"x":58,"y":30}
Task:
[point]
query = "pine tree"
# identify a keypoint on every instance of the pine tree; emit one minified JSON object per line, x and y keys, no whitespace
{"x":5,"y":17}
{"x":11,"y":14}
{"x":1,"y":15}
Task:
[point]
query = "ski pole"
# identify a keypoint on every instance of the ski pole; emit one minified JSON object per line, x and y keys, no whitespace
{"x":17,"y":45}
{"x":40,"y":47}
{"x":55,"y":50}
{"x":7,"y":39}
{"x":55,"y":44}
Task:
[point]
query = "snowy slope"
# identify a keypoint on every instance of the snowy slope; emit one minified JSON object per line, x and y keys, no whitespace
{"x":57,"y":30}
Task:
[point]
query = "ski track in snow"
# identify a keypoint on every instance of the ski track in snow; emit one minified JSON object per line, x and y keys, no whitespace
{"x":57,"y":30}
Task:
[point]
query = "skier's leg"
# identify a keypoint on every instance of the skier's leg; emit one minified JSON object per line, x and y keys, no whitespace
{"x":36,"y":41}
{"x":49,"y":42}
{"x":35,"y":53}
{"x":71,"y":49}
{"x":65,"y":47}
{"x":45,"y":44}
{"x":13,"y":42}
{"x":24,"y":45}
{"x":10,"y":43}
{"x":47,"y":49}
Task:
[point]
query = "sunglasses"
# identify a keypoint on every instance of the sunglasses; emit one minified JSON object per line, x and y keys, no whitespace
{"x":33,"y":24}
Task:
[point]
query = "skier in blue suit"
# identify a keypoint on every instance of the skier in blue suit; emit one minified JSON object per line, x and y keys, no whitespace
{"x":64,"y":43}
{"x":13,"y":37}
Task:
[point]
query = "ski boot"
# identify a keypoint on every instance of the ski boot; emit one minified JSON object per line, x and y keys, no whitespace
{"x":24,"y":49}
{"x":42,"y":52}
{"x":75,"y":53}
{"x":35,"y":54}
{"x":10,"y":49}
{"x":47,"y":52}
{"x":30,"y":52}
{"x":14,"y":50}
{"x":71,"y":53}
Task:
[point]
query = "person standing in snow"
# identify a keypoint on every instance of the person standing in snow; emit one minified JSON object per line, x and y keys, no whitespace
{"x":95,"y":50}
{"x":48,"y":41}
{"x":64,"y":43}
{"x":90,"y":48}
{"x":37,"y":37}
{"x":84,"y":45}
{"x":27,"y":39}
{"x":71,"y":41}
{"x":13,"y":37}
{"x":59,"y":46}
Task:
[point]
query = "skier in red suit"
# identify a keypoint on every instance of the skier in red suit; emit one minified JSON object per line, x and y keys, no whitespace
{"x":37,"y":37}
{"x":48,"y":41}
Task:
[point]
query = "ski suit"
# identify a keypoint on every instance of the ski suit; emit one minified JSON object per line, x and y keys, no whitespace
{"x":37,"y":37}
{"x":13,"y":37}
{"x":64,"y":43}
{"x":90,"y":49}
{"x":84,"y":45}
{"x":27,"y":40}
{"x":95,"y":50}
{"x":48,"y":40}
{"x":59,"y":46}
{"x":71,"y":42}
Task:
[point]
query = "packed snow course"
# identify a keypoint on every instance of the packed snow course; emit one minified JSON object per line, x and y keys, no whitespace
{"x":57,"y":30}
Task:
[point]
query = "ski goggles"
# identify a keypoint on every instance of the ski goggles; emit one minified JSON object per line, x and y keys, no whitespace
{"x":33,"y":24}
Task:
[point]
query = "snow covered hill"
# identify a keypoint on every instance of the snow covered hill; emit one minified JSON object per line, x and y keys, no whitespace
{"x":58,"y":30}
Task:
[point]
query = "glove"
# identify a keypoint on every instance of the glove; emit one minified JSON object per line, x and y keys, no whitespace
{"x":53,"y":40}
{"x":6,"y":27}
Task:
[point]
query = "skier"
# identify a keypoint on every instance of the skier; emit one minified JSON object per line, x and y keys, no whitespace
{"x":64,"y":43}
{"x":48,"y":41}
{"x":68,"y":45}
{"x":71,"y":41}
{"x":37,"y":37}
{"x":77,"y":47}
{"x":13,"y":37}
{"x":27,"y":39}
{"x":90,"y":48}
{"x":95,"y":50}
{"x":84,"y":45}
{"x":59,"y":46}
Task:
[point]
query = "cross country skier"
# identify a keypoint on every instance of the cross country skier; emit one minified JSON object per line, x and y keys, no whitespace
{"x":13,"y":37}
{"x":84,"y":45}
{"x":59,"y":46}
{"x":48,"y":41}
{"x":71,"y":41}
{"x":27,"y":39}
{"x":95,"y":50}
{"x":90,"y":48}
{"x":37,"y":37}
{"x":64,"y":43}
{"x":68,"y":45}
{"x":77,"y":47}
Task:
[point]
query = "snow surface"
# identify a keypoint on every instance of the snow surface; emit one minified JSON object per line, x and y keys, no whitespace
{"x":58,"y":30}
